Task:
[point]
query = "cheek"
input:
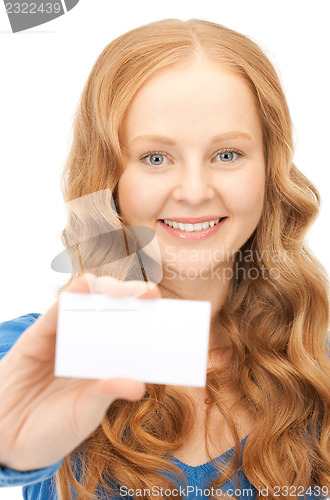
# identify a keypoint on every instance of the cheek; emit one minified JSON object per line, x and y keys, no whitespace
{"x":139,"y":198}
{"x":244,"y":194}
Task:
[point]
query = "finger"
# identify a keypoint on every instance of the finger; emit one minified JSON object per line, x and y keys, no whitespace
{"x":99,"y":395}
{"x":120,"y":388}
{"x":116,"y":288}
{"x":152,"y":293}
{"x":143,"y":289}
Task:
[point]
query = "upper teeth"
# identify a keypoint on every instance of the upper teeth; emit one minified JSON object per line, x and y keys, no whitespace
{"x":191,"y":227}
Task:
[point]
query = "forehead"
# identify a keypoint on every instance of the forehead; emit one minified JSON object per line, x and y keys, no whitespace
{"x":199,"y":97}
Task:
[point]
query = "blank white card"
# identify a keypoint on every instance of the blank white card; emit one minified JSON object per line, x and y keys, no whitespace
{"x":160,"y":341}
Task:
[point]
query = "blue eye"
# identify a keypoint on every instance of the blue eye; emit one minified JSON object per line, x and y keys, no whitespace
{"x":155,"y":158}
{"x":227,"y":156}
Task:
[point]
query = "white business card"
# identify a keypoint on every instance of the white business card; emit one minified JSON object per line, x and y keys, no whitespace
{"x":160,"y":341}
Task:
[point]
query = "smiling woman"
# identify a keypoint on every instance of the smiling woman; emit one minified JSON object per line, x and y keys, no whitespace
{"x":187,"y":124}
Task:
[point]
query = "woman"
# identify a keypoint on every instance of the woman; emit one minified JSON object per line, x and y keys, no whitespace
{"x":230,"y":211}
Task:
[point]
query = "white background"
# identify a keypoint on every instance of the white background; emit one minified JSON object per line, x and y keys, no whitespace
{"x":42,"y":75}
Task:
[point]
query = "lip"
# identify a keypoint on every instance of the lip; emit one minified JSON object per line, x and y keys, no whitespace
{"x":192,"y":235}
{"x":193,"y":220}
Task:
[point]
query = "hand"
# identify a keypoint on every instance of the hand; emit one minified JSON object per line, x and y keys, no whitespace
{"x":42,"y":417}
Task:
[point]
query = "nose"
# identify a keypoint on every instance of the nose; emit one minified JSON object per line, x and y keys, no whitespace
{"x":193,"y":183}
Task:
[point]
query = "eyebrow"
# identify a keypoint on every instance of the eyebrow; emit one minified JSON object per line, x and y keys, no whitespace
{"x":236,"y":134}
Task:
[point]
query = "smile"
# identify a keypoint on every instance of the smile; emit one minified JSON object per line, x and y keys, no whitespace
{"x":188,"y":231}
{"x":192,"y":227}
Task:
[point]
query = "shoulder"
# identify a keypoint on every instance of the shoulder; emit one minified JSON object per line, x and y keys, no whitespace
{"x":11,"y":330}
{"x":17,"y":324}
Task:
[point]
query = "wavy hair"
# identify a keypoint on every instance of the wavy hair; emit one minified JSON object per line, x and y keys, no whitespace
{"x":279,"y":357}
